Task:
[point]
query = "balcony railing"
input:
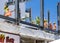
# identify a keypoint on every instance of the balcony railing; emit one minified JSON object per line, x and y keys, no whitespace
{"x":30,"y":24}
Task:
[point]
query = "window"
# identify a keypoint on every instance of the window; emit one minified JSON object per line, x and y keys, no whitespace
{"x":40,"y":41}
{"x":27,"y":40}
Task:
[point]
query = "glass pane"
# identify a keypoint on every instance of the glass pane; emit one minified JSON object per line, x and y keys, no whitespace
{"x":25,"y":40}
{"x":30,"y":13}
{"x":40,"y":41}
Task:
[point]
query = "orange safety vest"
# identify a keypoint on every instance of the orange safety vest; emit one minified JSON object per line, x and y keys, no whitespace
{"x":50,"y":26}
{"x":8,"y":13}
{"x":45,"y":25}
{"x":54,"y":27}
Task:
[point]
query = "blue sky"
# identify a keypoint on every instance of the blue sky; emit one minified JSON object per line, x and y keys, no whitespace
{"x":48,"y":5}
{"x":35,"y":5}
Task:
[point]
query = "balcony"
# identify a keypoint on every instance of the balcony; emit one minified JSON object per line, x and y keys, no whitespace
{"x":26,"y":29}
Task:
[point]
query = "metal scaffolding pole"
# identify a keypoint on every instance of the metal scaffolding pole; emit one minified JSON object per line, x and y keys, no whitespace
{"x":42,"y":13}
{"x":58,"y":16}
{"x":48,"y":17}
{"x":30,"y":15}
{"x":17,"y":12}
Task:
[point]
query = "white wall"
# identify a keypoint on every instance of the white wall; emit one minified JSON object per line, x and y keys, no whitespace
{"x":2,"y":2}
{"x":22,"y":8}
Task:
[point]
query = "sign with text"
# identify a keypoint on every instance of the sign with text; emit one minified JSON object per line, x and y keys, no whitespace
{"x":6,"y":37}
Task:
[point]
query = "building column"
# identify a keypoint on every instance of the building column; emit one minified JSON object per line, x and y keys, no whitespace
{"x":34,"y":41}
{"x":45,"y":41}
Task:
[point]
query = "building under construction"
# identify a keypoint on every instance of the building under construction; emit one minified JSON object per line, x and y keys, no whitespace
{"x":29,"y":33}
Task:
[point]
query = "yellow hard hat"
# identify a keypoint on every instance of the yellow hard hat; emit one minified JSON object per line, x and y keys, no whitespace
{"x":54,"y":23}
{"x":45,"y":20}
{"x":5,"y":6}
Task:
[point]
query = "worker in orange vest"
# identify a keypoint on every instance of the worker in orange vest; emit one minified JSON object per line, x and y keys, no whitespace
{"x":54,"y":26}
{"x":50,"y":26}
{"x":45,"y":24}
{"x":7,"y":12}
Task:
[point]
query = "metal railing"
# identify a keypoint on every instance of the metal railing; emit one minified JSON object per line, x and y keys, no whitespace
{"x":30,"y":24}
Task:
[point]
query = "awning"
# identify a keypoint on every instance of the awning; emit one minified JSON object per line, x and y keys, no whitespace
{"x":56,"y":41}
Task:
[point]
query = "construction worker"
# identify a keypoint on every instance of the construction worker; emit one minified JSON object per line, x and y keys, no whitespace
{"x":54,"y":26}
{"x":37,"y":20}
{"x":50,"y":26}
{"x":7,"y":12}
{"x":33,"y":21}
{"x":45,"y":24}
